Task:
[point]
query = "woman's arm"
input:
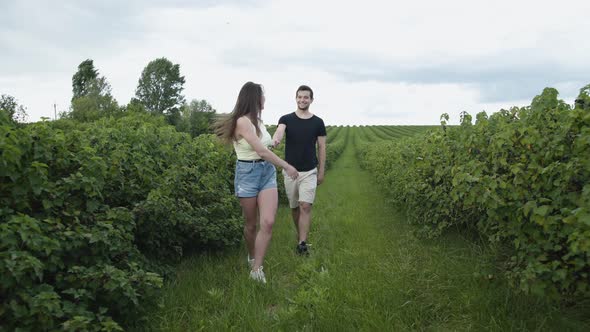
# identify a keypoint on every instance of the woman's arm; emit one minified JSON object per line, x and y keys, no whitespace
{"x":245,"y":129}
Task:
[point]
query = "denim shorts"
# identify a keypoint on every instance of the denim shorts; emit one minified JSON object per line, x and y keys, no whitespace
{"x":254,"y":177}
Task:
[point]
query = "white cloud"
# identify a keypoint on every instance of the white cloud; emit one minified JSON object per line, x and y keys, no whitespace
{"x":370,"y":62}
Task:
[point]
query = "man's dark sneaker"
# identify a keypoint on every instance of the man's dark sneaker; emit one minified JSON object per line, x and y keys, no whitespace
{"x":302,"y":249}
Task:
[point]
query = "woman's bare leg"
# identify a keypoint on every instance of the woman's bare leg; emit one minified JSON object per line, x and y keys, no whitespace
{"x":250,"y":212}
{"x":268,"y":201}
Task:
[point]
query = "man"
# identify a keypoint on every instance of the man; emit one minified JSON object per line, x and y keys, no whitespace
{"x":303,"y":131}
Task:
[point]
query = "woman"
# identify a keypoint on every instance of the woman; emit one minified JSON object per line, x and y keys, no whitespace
{"x":255,"y":180}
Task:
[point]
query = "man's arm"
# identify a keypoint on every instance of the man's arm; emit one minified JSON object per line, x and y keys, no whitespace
{"x":245,"y":129}
{"x":322,"y":158}
{"x":278,"y":136}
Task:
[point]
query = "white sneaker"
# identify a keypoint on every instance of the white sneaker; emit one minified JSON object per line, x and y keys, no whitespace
{"x":258,"y":275}
{"x":250,"y":262}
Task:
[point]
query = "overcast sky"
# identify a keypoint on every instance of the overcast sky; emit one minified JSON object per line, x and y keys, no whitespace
{"x":369,"y":62}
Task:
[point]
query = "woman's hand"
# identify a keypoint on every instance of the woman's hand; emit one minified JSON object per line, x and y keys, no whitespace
{"x":292,"y":172}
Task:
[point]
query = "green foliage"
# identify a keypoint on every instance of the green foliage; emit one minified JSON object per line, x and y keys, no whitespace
{"x":196,"y":118}
{"x":160,"y":87}
{"x":83,"y":79}
{"x":96,"y":103}
{"x":10,"y":109}
{"x":367,"y":272}
{"x":583,"y":100}
{"x":92,"y":98}
{"x":336,"y":141}
{"x":519,"y":176}
{"x":73,"y":225}
{"x":135,"y":106}
{"x":193,"y":206}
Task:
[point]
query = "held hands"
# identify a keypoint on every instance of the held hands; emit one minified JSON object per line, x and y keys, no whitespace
{"x":292,"y":172}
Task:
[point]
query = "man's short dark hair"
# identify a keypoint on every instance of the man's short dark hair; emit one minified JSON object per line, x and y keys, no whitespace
{"x":304,"y":88}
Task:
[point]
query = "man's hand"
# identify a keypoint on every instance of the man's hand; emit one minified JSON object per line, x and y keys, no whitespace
{"x":275,"y":143}
{"x":320,"y":178}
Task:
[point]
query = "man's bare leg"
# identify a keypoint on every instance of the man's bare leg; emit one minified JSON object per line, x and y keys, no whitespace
{"x":295,"y":215}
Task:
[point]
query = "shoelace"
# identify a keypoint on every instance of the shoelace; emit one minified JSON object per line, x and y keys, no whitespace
{"x":258,"y":271}
{"x":258,"y":275}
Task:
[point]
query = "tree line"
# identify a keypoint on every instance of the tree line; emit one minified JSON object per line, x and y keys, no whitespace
{"x":159,"y":92}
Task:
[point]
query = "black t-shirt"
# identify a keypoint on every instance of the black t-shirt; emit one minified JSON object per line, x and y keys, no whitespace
{"x":301,"y":138}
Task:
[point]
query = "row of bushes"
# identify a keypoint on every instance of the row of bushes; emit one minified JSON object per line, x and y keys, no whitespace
{"x":88,"y":210}
{"x":520,"y":176}
{"x":336,"y":141}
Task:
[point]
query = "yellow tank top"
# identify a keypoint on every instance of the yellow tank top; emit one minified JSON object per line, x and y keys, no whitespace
{"x":245,"y":152}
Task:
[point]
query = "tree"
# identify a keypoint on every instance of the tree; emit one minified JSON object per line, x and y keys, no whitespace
{"x":92,"y":96}
{"x":83,"y":78}
{"x":97,"y":102}
{"x":197,"y":118}
{"x":160,"y":86}
{"x":14,"y":111}
{"x":583,"y":100}
{"x":547,"y":100}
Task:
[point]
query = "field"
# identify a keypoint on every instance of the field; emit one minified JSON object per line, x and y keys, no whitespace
{"x":126,"y":223}
{"x":368,"y":271}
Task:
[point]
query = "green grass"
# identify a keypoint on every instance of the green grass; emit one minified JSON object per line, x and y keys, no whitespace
{"x":367,"y":272}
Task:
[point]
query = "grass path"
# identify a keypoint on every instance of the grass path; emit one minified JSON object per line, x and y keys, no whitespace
{"x":367,"y":272}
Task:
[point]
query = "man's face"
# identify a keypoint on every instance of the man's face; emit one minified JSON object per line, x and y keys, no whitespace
{"x":303,"y":100}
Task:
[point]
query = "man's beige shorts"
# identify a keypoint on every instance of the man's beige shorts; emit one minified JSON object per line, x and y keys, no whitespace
{"x":302,"y":189}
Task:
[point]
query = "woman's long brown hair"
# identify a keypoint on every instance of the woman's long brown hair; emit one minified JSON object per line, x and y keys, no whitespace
{"x":249,"y":104}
